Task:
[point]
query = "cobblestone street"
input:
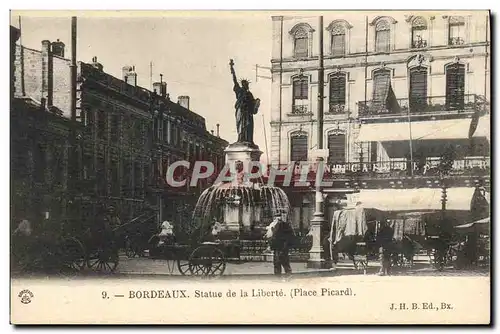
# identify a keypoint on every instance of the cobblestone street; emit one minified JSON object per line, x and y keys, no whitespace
{"x":421,"y":267}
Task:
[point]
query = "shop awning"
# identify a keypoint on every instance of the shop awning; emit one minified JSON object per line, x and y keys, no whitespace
{"x":483,"y":127}
{"x":421,"y":199}
{"x":426,"y":130}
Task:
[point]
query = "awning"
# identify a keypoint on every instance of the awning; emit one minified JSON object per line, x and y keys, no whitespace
{"x":442,"y":129}
{"x":483,"y":127}
{"x":421,"y":199}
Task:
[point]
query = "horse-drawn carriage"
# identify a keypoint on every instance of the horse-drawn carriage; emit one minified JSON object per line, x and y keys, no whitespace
{"x":204,"y":252}
{"x":356,"y":232}
{"x":52,"y":250}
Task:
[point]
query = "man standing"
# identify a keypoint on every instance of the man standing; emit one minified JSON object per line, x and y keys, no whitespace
{"x":280,"y":244}
{"x":384,"y":241}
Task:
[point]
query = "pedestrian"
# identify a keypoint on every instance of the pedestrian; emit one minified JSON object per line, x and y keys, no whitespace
{"x":384,"y":241}
{"x":280,"y":244}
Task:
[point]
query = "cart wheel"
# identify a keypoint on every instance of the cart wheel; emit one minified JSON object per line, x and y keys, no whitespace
{"x":72,"y":255}
{"x":207,"y":260}
{"x":103,"y":260}
{"x":183,"y":267}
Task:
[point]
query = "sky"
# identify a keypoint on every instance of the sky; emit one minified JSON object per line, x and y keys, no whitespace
{"x":192,"y":52}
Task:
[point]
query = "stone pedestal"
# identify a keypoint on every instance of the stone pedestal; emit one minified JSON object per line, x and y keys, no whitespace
{"x":244,"y":152}
{"x":234,"y":216}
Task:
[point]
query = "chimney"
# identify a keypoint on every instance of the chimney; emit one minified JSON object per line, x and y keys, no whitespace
{"x":218,"y":129}
{"x":183,"y":101}
{"x":129,"y":75}
{"x":58,"y":48}
{"x":160,"y":88}
{"x":96,"y":64}
{"x":47,"y":72}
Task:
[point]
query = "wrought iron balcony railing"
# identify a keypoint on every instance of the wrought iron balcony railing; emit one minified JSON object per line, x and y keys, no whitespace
{"x":300,"y":110}
{"x":419,"y":44}
{"x":415,"y":106}
{"x":456,"y":41}
{"x":396,"y":168}
{"x":337,"y":108}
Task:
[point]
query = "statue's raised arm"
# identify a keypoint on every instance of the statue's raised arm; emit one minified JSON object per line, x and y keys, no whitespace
{"x":235,"y":80}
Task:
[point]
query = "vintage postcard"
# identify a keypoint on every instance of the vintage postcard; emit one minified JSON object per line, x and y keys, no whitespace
{"x":264,"y":167}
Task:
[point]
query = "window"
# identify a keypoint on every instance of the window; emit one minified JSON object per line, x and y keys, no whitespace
{"x":300,"y":95}
{"x":336,"y":147}
{"x":298,"y":146}
{"x":138,"y":182}
{"x":173,"y":136}
{"x":381,"y":87}
{"x":115,"y":179}
{"x":146,"y":176}
{"x":456,"y":30}
{"x":101,"y":125}
{"x":87,"y":166}
{"x":338,"y":40}
{"x":381,"y":84}
{"x":455,"y":86}
{"x":337,"y":93}
{"x":301,"y":44}
{"x":418,"y":89}
{"x":138,"y":132}
{"x":156,"y":128}
{"x":418,"y":28}
{"x":126,"y":178}
{"x":382,"y":36}
{"x":115,"y":128}
{"x":101,"y":176}
{"x":89,"y":119}
{"x":165,"y":131}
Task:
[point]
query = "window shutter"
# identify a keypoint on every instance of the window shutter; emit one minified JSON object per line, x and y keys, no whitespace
{"x":383,"y":41}
{"x":301,"y":47}
{"x":336,"y":147}
{"x":337,"y":89}
{"x":300,"y":89}
{"x":418,"y":88}
{"x":338,"y":45}
{"x":299,"y":148}
{"x":382,"y":81}
{"x":455,"y":86}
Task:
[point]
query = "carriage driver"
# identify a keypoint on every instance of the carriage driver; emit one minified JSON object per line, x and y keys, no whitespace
{"x":280,"y":244}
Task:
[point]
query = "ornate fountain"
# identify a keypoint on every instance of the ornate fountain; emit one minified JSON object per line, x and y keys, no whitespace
{"x":243,"y":208}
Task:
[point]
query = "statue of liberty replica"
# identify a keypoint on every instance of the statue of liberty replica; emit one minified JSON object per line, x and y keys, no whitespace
{"x":246,"y":106}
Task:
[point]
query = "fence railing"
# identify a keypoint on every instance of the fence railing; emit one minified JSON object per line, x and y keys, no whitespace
{"x":473,"y":166}
{"x":420,"y":105}
{"x":300,"y":109}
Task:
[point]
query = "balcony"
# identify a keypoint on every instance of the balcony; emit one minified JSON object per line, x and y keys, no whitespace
{"x":423,"y":106}
{"x":300,"y":110}
{"x":454,"y":41}
{"x":336,"y":108}
{"x":467,"y":167}
{"x":419,"y":44}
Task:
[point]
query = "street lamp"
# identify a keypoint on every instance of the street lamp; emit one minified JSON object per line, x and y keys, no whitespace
{"x":318,"y":221}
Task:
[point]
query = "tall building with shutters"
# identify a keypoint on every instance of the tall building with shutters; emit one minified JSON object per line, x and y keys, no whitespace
{"x":401,"y":92}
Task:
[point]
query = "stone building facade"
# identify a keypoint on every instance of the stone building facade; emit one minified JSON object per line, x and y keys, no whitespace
{"x":385,"y":73}
{"x":123,"y":144}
